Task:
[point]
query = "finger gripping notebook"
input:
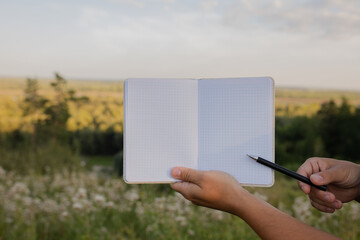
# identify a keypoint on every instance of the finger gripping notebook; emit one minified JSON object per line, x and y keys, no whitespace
{"x":205,"y":124}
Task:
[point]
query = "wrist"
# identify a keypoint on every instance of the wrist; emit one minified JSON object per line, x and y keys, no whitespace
{"x":357,"y":198}
{"x":242,"y":199}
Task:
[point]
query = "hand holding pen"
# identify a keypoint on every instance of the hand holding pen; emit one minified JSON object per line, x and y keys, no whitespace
{"x":341,"y":177}
{"x":287,"y":172}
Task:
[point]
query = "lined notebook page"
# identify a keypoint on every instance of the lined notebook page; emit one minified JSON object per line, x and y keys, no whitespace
{"x":161,"y":118}
{"x":236,"y":117}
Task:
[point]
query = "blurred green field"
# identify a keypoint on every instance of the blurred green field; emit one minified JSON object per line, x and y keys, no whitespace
{"x":85,"y":205}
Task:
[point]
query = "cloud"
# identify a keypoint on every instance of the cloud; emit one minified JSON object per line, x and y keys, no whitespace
{"x":142,"y":3}
{"x":170,"y":31}
{"x":90,"y":16}
{"x":208,"y":5}
{"x":333,"y":18}
{"x":136,"y":3}
{"x":164,"y":1}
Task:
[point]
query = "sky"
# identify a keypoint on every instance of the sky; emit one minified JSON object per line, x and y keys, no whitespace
{"x":300,"y":43}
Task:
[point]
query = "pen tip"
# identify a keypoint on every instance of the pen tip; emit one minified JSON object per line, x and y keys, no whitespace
{"x":252,"y":156}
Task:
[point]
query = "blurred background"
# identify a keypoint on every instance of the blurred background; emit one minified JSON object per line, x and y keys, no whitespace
{"x":62,"y":66}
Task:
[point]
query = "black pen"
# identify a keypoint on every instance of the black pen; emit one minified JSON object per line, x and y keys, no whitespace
{"x":286,"y":172}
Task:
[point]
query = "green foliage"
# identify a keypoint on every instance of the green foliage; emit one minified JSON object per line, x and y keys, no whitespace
{"x":333,"y":132}
{"x":98,"y":142}
{"x":57,"y":113}
{"x":118,"y":163}
{"x":297,"y":139}
{"x":39,"y":159}
{"x":340,"y":130}
{"x":33,"y":102}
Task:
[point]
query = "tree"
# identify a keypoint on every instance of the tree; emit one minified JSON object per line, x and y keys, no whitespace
{"x":54,"y":114}
{"x":339,"y":129}
{"x":33,"y":105}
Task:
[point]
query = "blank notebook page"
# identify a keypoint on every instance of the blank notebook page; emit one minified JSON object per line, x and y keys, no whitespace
{"x":235,"y":119}
{"x":161,"y":118}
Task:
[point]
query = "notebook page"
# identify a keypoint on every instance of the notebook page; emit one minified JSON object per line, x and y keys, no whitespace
{"x":236,"y":117}
{"x":161,"y":127}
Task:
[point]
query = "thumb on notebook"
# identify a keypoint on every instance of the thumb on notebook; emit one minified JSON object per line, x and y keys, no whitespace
{"x":186,"y":174}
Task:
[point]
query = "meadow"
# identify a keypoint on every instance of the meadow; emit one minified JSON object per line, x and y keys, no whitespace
{"x":56,"y":186}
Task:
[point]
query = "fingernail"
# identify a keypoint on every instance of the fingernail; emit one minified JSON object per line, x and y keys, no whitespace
{"x":335,"y":205}
{"x":317,"y":178}
{"x":177,"y":173}
{"x":329,"y":209}
{"x":327,"y":198}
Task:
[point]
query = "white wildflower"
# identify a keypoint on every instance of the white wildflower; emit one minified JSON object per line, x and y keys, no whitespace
{"x":100,"y":189}
{"x":81,"y":193}
{"x":19,"y":188}
{"x":2,"y":173}
{"x":99,"y":199}
{"x":354,"y":210}
{"x":113,"y":195}
{"x":301,"y":208}
{"x":324,"y":217}
{"x":65,"y":202}
{"x":149,"y":228}
{"x":87,"y":205}
{"x":27,"y":201}
{"x":179,"y":195}
{"x":191,"y":232}
{"x":28,"y":216}
{"x":218,"y":215}
{"x":70,"y":190}
{"x":110,"y":204}
{"x":181,"y":220}
{"x":49,"y":206}
{"x":261,"y":196}
{"x":9,"y":220}
{"x":282,"y":207}
{"x":38,"y":187}
{"x":175,"y":207}
{"x":64,"y":214}
{"x":131,"y":195}
{"x":97,"y":169}
{"x":118,"y":185}
{"x":139,"y":209}
{"x":160,"y":203}
{"x":77,"y":206}
{"x":58,"y":181}
{"x":2,"y":191}
{"x":10,"y":207}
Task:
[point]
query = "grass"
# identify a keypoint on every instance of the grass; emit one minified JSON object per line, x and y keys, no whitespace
{"x":103,"y":161}
{"x":84,"y":205}
{"x":63,"y":202}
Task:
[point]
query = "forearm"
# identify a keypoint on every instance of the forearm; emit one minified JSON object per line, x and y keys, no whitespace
{"x":270,"y":223}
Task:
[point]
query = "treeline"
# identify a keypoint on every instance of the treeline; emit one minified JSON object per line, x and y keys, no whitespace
{"x":334,"y":131}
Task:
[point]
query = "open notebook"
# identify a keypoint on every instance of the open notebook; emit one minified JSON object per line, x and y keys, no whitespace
{"x":205,"y":124}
